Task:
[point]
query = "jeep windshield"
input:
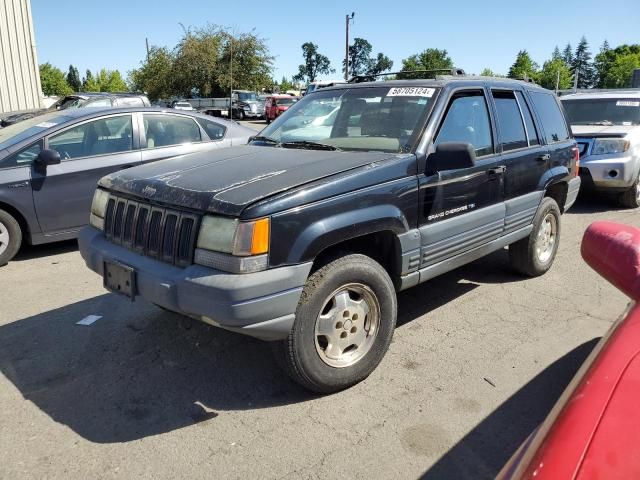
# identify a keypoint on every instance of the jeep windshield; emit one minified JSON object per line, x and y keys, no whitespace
{"x":247,"y":96}
{"x":385,"y":119}
{"x":603,"y":111}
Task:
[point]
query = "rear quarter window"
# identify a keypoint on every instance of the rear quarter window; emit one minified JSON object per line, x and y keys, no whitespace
{"x":551,"y":117}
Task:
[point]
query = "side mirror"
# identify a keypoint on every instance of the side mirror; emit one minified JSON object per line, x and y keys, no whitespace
{"x":452,"y":156}
{"x":48,"y":157}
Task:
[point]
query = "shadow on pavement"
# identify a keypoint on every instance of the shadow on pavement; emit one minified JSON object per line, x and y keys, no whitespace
{"x":29,"y":252}
{"x":138,"y":371}
{"x":485,"y":450}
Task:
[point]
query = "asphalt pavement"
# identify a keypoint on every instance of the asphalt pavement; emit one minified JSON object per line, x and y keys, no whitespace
{"x":479,"y":357}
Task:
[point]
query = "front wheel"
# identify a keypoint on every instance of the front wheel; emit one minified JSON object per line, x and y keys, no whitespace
{"x":534,"y":255}
{"x":344,"y":324}
{"x":10,"y":237}
{"x":631,"y":198}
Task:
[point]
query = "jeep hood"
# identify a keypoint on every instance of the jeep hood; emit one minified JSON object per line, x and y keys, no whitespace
{"x":226,"y":181}
{"x":601,"y":130}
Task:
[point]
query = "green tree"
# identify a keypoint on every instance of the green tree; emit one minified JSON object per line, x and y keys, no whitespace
{"x":582,"y":66}
{"x":89,"y":84}
{"x":361,"y":62}
{"x":557,"y":55}
{"x":487,"y":72}
{"x":605,"y":60}
{"x":600,"y":64}
{"x":195,"y":67}
{"x":555,"y":71}
{"x":621,"y":69}
{"x":429,"y":59}
{"x":567,"y":54}
{"x":53,"y":81}
{"x":285,"y":85}
{"x":73,"y":79}
{"x":315,"y":64}
{"x":154,"y":75}
{"x":252,"y":63}
{"x":523,"y":67}
{"x":110,"y":81}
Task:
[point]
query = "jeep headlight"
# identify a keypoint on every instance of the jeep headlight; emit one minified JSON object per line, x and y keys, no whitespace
{"x":603,"y":146}
{"x":233,"y":246}
{"x":98,"y":208}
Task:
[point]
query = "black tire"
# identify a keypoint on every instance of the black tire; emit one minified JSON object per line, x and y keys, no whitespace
{"x":241,"y":115}
{"x":523,"y":254}
{"x":10,"y":237}
{"x":299,"y":353}
{"x":631,"y":198}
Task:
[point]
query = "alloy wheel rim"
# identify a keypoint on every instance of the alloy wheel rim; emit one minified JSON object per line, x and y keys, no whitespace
{"x":4,"y":238}
{"x":347,"y":325}
{"x":546,"y":238}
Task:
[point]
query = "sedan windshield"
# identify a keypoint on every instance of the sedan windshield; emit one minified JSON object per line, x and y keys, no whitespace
{"x":603,"y":111}
{"x":19,"y":131}
{"x":354,"y":119}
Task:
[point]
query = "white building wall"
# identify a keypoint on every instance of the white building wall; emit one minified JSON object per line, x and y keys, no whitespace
{"x":19,"y":75}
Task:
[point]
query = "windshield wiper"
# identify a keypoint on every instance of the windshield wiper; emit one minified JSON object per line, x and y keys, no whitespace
{"x":604,"y":123}
{"x":265,"y":139}
{"x":309,"y":145}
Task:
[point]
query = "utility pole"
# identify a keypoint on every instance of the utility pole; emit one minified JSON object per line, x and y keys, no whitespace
{"x":346,"y":47}
{"x":575,"y":80}
{"x":231,"y":81}
{"x":558,"y":81}
{"x":146,"y":40}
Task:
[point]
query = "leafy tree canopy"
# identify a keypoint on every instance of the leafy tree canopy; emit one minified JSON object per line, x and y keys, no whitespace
{"x":523,"y":67}
{"x":315,"y":64}
{"x":361,"y":62}
{"x":53,"y":81}
{"x":73,"y":79}
{"x":429,"y":59}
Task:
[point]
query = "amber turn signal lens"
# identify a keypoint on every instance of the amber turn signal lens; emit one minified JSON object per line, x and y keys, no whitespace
{"x":260,"y":240}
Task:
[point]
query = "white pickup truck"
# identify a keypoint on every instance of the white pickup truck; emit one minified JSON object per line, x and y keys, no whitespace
{"x":606,"y":125}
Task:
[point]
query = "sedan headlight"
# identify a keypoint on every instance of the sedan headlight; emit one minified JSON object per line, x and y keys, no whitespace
{"x":603,"y":146}
{"x":98,"y":208}
{"x":231,"y":245}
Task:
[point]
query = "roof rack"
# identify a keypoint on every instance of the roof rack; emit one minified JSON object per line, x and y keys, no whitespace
{"x":456,"y":72}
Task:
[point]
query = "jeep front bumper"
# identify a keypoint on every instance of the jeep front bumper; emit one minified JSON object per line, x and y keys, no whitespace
{"x":261,"y":304}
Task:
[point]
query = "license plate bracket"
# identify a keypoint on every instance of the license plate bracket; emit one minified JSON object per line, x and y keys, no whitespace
{"x":120,"y":278}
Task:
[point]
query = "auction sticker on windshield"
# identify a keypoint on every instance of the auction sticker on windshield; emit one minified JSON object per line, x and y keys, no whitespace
{"x":411,"y":92}
{"x":627,"y":103}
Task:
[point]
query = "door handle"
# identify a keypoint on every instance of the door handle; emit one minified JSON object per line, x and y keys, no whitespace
{"x":544,"y":158}
{"x":497,"y":170}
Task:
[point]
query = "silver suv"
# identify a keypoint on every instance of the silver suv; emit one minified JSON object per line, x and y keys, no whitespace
{"x":606,"y":125}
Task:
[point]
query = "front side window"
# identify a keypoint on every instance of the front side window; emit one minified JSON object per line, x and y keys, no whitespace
{"x":553,"y":124}
{"x":167,"y":130}
{"x":511,"y":128}
{"x":354,"y":119}
{"x":98,"y":137}
{"x":102,"y":102}
{"x":603,"y":111}
{"x":467,"y":121}
{"x":24,"y":157}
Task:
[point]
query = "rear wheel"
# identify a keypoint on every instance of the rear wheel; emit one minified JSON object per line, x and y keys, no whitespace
{"x":10,"y":237}
{"x":535,"y":254}
{"x":344,"y":325}
{"x":631,"y":198}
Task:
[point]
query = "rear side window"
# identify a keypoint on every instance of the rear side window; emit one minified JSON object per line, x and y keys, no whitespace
{"x":214,"y":130}
{"x":553,"y":124}
{"x":467,"y":120}
{"x":166,"y":130}
{"x":532,"y":134}
{"x":511,"y":128}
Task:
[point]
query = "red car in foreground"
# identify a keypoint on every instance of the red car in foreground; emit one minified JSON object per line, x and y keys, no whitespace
{"x":593,"y":431}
